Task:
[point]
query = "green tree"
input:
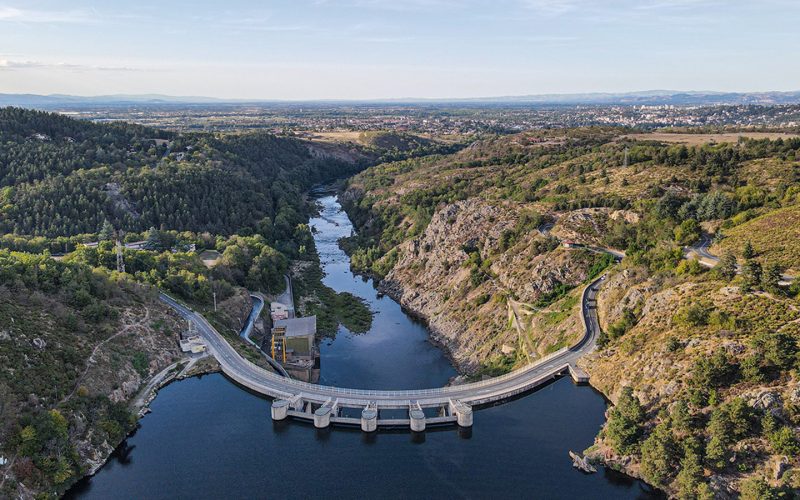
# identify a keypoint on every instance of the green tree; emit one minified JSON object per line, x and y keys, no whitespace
{"x":681,"y":416}
{"x":751,"y":276}
{"x":727,"y":266}
{"x":747,"y":251}
{"x":750,"y":368}
{"x":784,"y":441}
{"x":690,"y":476}
{"x":720,"y":429}
{"x":771,"y":277}
{"x":687,"y":232}
{"x":106,"y":232}
{"x":742,"y":418}
{"x":779,"y":349}
{"x":29,"y":441}
{"x":659,"y":455}
{"x":624,"y":428}
{"x":153,"y":239}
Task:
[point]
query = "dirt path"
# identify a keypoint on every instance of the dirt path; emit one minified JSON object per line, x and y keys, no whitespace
{"x":90,"y":361}
{"x":144,"y":396}
{"x":521,"y":333}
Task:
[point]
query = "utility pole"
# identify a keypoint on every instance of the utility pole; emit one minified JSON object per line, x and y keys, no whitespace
{"x":215,"y":300}
{"x":625,"y":164}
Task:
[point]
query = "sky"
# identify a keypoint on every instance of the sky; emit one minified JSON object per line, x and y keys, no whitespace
{"x":372,"y":49}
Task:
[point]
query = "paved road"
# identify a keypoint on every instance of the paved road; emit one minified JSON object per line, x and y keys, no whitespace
{"x":495,"y":389}
{"x":617,"y":254}
{"x":546,"y":227}
{"x":700,"y":248}
{"x":706,"y":258}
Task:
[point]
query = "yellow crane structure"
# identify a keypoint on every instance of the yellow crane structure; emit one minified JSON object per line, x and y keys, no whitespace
{"x":279,"y":342}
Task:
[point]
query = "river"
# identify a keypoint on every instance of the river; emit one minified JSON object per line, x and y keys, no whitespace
{"x":208,"y":438}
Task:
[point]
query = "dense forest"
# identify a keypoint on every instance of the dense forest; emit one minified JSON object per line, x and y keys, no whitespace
{"x":66,"y":181}
{"x":63,"y":177}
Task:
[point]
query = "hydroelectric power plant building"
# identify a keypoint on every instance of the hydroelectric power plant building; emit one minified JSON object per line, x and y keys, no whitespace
{"x":297,"y":336}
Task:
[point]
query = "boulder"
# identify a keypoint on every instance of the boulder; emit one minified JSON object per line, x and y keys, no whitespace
{"x":581,"y":463}
{"x":766,"y":401}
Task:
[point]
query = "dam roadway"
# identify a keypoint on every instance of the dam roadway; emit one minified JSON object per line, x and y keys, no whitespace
{"x":325,"y":404}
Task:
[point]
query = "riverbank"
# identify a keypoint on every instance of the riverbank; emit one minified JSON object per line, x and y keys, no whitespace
{"x":140,"y":406}
{"x":521,"y":446}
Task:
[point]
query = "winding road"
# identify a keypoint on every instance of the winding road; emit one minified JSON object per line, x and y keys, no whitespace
{"x":479,"y":393}
{"x":706,"y":258}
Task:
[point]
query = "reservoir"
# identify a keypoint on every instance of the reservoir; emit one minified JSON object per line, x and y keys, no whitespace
{"x":208,"y":438}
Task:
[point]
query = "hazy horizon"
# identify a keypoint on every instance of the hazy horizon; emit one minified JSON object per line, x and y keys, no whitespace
{"x":383,"y":49}
{"x":555,"y":95}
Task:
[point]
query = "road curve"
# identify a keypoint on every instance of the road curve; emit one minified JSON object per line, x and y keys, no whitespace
{"x":495,"y":389}
{"x":706,"y":258}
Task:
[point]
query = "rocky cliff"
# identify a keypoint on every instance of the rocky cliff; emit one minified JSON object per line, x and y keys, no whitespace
{"x":477,"y":296}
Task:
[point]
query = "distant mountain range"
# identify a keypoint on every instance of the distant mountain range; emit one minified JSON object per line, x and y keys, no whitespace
{"x":55,"y":100}
{"x":649,"y":97}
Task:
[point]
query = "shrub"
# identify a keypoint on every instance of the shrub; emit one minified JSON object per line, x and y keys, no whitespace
{"x":784,"y":441}
{"x":690,"y":267}
{"x":695,"y":314}
{"x":758,"y":489}
{"x":140,"y":363}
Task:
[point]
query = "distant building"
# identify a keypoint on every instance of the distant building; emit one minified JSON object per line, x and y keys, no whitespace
{"x":294,"y":337}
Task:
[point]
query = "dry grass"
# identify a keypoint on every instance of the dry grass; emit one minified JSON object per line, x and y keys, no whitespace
{"x":342,"y":136}
{"x":697,"y":139}
{"x":775,"y":237}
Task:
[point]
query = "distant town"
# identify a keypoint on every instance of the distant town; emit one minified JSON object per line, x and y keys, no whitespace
{"x":439,"y":119}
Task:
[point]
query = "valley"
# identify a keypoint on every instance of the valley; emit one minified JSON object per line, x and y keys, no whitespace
{"x":489,"y":242}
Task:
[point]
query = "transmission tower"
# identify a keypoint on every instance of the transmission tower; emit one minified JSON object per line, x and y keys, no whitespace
{"x":120,"y":260}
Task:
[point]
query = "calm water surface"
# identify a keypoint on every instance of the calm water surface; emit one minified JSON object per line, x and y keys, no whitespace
{"x":208,"y":438}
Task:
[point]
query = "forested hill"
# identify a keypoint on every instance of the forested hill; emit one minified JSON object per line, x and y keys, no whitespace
{"x":61,"y":177}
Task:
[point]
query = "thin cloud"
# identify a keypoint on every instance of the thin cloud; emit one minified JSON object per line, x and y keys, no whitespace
{"x":6,"y":64}
{"x":408,"y":5}
{"x":13,"y":14}
{"x":551,"y":7}
{"x":674,"y":4}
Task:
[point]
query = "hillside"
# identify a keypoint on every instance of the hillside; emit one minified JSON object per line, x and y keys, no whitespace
{"x":80,"y":343}
{"x":702,"y":365}
{"x":775,"y":237}
{"x":76,"y":345}
{"x":63,"y":177}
